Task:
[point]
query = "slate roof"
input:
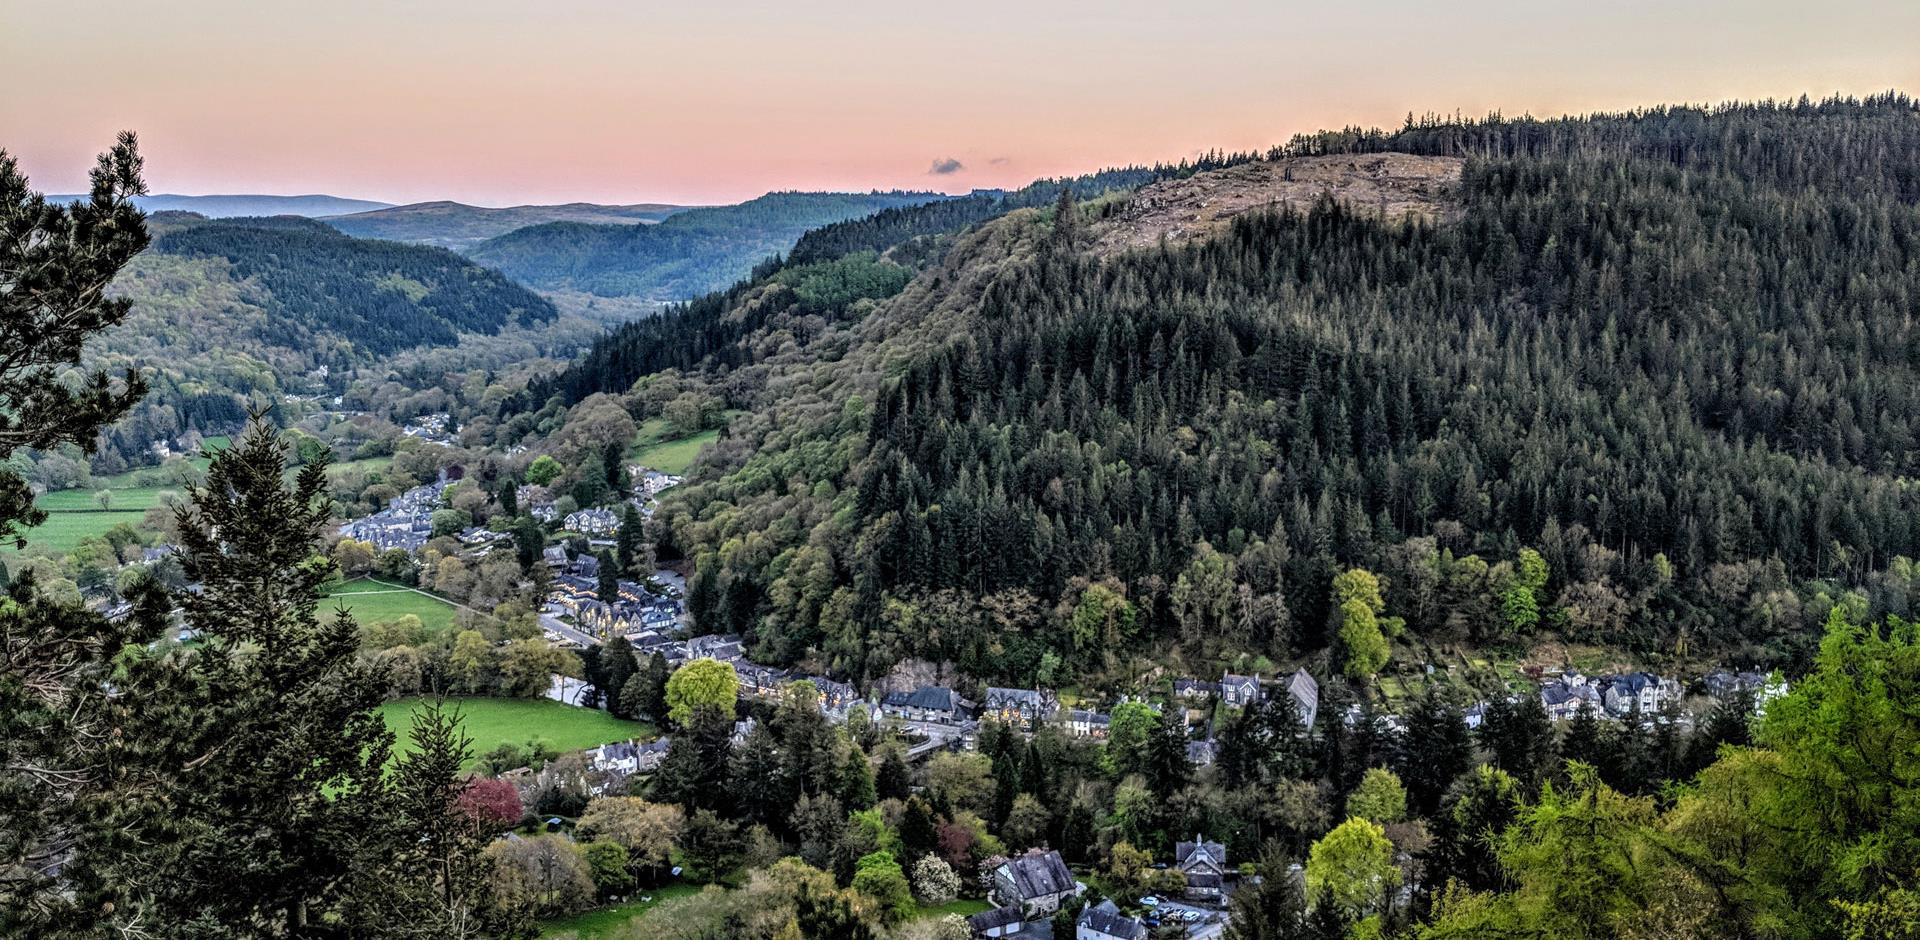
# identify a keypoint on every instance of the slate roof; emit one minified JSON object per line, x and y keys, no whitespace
{"x":927,"y":697}
{"x":1105,"y":918}
{"x":998,"y":917}
{"x":1040,"y":874}
{"x":1306,"y":695}
{"x":1014,"y":698}
{"x":1184,"y":851}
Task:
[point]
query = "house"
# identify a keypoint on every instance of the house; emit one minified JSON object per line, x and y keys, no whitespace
{"x":721,"y":646}
{"x":763,"y":682}
{"x":927,"y":703}
{"x":1239,"y":691}
{"x":1036,"y":883}
{"x":607,"y":620}
{"x":592,"y":522}
{"x":554,"y":556}
{"x":587,"y":566}
{"x":1088,"y":724}
{"x":647,"y":757}
{"x":1194,"y":690}
{"x":1205,"y":866}
{"x":1476,"y":715}
{"x":1567,"y":696}
{"x":999,"y":922}
{"x":1202,"y":753}
{"x":1635,"y":691}
{"x":1306,"y":696}
{"x":835,"y":697}
{"x":620,"y":757}
{"x":1019,"y":706}
{"x":1764,"y":687}
{"x":1103,"y":921}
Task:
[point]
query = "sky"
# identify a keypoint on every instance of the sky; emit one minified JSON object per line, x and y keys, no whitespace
{"x":628,"y":101}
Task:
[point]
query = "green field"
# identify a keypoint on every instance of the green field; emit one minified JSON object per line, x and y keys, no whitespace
{"x":675,"y":456}
{"x":654,"y":448}
{"x":75,"y":514}
{"x":607,"y":921}
{"x":377,"y":601}
{"x":492,"y":722}
{"x":137,"y":498}
{"x":64,"y":530}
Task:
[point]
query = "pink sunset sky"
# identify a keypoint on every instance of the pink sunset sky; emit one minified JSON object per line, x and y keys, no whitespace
{"x":502,"y":103}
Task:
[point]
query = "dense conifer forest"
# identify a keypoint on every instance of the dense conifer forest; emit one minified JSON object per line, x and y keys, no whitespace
{"x":381,"y":296}
{"x":1670,"y":353}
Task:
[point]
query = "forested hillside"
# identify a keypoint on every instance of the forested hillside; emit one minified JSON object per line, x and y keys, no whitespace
{"x":380,"y":296}
{"x":235,"y":311}
{"x":708,"y":329}
{"x":687,"y":255}
{"x":457,"y":226}
{"x":1670,"y":354}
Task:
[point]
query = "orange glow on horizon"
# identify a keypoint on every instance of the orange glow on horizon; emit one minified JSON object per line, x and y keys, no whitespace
{"x":500,"y":103}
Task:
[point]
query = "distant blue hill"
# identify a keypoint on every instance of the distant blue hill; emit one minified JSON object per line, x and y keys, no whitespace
{"x":221,"y":207}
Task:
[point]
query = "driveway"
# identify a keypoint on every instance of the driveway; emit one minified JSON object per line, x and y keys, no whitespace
{"x":549,"y":622}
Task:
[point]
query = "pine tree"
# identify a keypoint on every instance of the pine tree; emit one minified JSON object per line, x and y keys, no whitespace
{"x":613,"y":458}
{"x":630,"y":544}
{"x":55,"y":264}
{"x":608,"y":588}
{"x":919,"y":833}
{"x":762,"y":788}
{"x":1167,"y":768}
{"x":1582,"y":742}
{"x":1437,"y":748}
{"x":645,"y":694}
{"x":1272,"y":908}
{"x":1519,"y":736}
{"x":528,"y":540}
{"x":694,"y":772}
{"x":287,"y":748}
{"x":64,"y":801}
{"x":894,"y":780}
{"x":618,"y":667}
{"x":441,"y":840}
{"x":858,"y":789}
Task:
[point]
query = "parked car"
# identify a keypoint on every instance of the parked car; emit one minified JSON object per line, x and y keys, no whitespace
{"x":1150,"y":901}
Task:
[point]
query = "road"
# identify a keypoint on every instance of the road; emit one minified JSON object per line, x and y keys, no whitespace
{"x":549,"y":622}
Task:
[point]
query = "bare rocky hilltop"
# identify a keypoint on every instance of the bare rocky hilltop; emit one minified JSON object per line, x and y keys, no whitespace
{"x":1397,"y":185}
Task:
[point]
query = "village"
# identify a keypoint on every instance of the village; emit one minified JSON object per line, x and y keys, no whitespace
{"x":1027,"y":888}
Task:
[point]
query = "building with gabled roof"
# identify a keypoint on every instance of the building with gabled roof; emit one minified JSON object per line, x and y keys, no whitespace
{"x":1103,"y":921}
{"x":1205,"y":866}
{"x":926,"y":703}
{"x":1306,"y":696}
{"x":998,"y":922}
{"x":1239,"y":691}
{"x":1036,"y":883}
{"x":1019,"y":706}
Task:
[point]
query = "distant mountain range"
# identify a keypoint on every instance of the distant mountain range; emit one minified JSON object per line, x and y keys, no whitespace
{"x":459,"y":226}
{"x":229,"y":206}
{"x":689,"y":254}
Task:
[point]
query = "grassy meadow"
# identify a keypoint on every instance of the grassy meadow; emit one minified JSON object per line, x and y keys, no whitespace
{"x":492,"y":722}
